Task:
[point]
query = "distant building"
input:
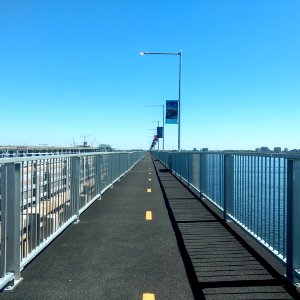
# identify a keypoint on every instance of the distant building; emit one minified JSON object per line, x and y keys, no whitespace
{"x":204,"y":149}
{"x":295,"y":150}
{"x":277,"y":149}
{"x":264,"y":149}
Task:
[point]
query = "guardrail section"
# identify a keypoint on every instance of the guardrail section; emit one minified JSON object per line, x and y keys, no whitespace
{"x":41,"y":196}
{"x":260,"y":192}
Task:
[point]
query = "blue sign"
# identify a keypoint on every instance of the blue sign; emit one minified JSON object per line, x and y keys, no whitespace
{"x":160,"y":132}
{"x":171,"y":111}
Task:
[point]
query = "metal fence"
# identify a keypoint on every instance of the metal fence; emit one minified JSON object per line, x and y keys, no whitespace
{"x":260,"y":192}
{"x":41,"y":196}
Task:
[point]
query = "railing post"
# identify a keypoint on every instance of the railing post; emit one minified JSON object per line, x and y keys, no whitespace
{"x":75,"y":183}
{"x":180,"y":157}
{"x":98,"y":175}
{"x":188,"y":168}
{"x":203,"y":174}
{"x":200,"y":174}
{"x":293,"y":220}
{"x":110,"y":170}
{"x":10,"y":221}
{"x":119,"y":167}
{"x":228,"y":185}
{"x":170,"y":161}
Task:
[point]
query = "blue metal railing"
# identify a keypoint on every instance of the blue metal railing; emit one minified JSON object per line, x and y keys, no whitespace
{"x":255,"y":190}
{"x":41,"y":196}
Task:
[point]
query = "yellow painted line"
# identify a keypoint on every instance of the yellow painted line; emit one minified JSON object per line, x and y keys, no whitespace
{"x":148,"y":215}
{"x":148,"y":296}
{"x":149,"y":190}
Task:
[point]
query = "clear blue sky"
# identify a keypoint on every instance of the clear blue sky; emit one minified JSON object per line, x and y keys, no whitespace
{"x":71,"y":68}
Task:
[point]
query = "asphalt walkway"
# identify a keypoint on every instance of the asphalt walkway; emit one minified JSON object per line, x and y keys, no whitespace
{"x":148,"y":238}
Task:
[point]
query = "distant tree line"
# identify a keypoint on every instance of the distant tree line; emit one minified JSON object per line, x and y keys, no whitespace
{"x":105,"y":148}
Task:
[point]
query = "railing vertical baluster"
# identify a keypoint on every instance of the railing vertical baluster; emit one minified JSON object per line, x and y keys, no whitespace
{"x":221,"y":179}
{"x":265,"y":200}
{"x":248,"y":192}
{"x":239,"y":200}
{"x":261,"y":197}
{"x":242,"y":187}
{"x":274,"y":206}
{"x":271,"y":173}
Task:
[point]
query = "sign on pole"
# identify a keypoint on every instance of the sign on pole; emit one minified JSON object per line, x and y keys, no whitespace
{"x":171,"y":111}
{"x":160,"y":132}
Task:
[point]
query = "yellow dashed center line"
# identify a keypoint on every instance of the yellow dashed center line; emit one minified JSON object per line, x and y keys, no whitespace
{"x":148,"y":215}
{"x":148,"y":296}
{"x":149,"y":190}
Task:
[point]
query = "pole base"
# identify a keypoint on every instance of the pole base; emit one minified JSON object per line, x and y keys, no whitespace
{"x":15,"y":282}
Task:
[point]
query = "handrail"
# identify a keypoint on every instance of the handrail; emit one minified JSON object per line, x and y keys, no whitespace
{"x":42,"y":195}
{"x":258,"y":191}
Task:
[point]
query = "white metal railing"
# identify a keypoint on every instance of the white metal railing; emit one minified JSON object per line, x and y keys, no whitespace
{"x":41,"y":196}
{"x":258,"y":191}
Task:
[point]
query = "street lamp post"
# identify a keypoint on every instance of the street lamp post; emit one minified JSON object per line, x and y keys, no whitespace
{"x":156,"y":132}
{"x":163,"y":122}
{"x":151,"y":136}
{"x":179,"y":83}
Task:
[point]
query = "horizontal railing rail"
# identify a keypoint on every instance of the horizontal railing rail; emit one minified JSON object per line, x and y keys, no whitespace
{"x":41,"y":196}
{"x":12,"y":152}
{"x":258,"y":191}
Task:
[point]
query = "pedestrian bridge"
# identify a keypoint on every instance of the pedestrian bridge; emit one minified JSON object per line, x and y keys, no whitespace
{"x":131,"y":226}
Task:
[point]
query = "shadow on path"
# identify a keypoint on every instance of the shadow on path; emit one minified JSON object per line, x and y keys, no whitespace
{"x":218,"y":263}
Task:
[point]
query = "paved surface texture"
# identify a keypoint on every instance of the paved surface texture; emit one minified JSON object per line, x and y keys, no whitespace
{"x":184,"y":252}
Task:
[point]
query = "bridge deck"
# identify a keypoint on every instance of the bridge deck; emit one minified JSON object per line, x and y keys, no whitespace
{"x":184,"y":252}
